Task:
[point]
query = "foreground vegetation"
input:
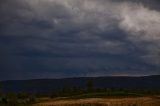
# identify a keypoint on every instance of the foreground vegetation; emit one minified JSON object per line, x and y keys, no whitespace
{"x":23,"y":99}
{"x":89,"y":96}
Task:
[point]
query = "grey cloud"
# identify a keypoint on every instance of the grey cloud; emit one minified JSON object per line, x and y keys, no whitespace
{"x":143,"y":26}
{"x":50,"y":29}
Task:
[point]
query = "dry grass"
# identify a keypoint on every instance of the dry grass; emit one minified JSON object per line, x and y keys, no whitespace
{"x":141,"y":101}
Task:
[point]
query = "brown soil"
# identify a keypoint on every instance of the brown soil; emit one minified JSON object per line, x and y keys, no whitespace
{"x":141,"y":101}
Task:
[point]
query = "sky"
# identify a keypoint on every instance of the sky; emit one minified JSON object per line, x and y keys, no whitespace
{"x":79,"y":38}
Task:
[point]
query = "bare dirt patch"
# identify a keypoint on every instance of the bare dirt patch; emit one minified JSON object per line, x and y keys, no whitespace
{"x":141,"y":101}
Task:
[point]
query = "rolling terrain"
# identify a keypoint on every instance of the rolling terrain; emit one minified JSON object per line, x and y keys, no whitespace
{"x":83,"y":91}
{"x":54,"y":85}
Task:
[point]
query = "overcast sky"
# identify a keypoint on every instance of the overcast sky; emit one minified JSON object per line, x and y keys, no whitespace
{"x":72,"y":38}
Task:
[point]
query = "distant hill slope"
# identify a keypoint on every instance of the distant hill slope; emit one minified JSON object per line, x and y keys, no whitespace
{"x":50,"y":85}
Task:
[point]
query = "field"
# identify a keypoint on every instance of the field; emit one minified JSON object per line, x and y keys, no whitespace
{"x":85,"y":98}
{"x":88,"y":95}
{"x":134,"y":101}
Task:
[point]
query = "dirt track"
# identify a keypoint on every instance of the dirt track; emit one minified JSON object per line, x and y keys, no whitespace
{"x":142,"y":101}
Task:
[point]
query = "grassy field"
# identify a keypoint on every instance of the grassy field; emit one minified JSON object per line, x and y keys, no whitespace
{"x":85,"y":98}
{"x":134,"y":101}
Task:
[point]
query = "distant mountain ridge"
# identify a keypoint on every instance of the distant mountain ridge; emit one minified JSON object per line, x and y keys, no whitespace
{"x":53,"y":85}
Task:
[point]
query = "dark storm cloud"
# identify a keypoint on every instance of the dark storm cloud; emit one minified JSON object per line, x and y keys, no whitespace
{"x":64,"y":38}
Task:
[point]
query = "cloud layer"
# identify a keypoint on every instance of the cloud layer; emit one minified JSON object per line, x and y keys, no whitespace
{"x":65,"y":38}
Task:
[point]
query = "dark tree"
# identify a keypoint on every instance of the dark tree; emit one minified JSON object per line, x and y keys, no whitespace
{"x":90,"y":85}
{"x":4,"y":101}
